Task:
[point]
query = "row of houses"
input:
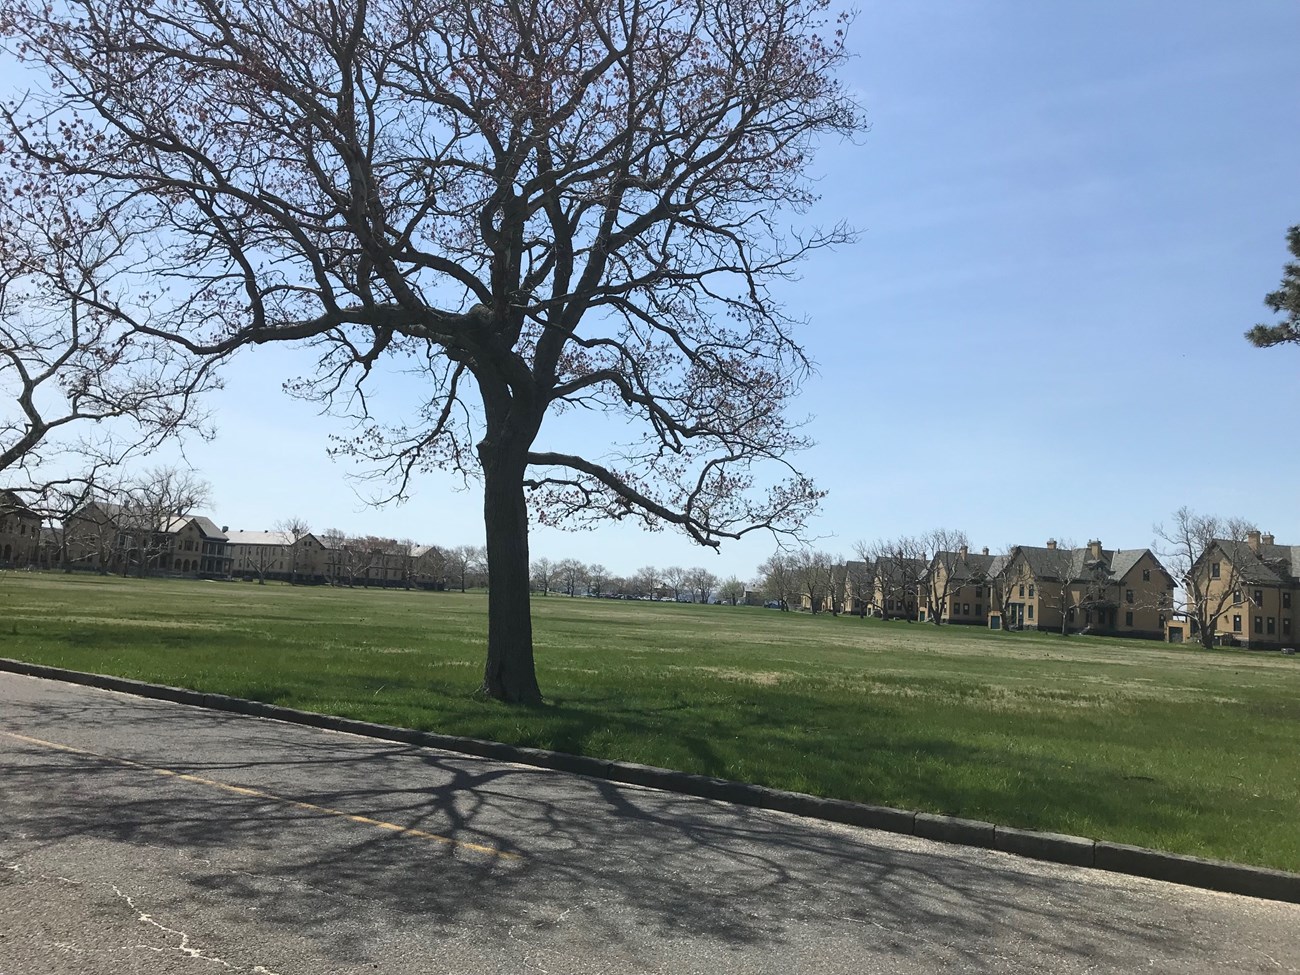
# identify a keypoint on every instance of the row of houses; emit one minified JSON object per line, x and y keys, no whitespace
{"x":1094,"y":589}
{"x":105,"y":537}
{"x":1243,"y":591}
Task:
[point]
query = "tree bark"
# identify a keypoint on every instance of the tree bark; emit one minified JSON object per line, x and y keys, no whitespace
{"x":510,"y":674}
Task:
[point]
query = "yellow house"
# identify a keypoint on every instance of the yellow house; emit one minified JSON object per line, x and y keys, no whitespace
{"x":1252,"y":589}
{"x":1120,"y":592}
{"x":885,"y":587}
{"x":957,"y":587}
{"x":20,"y":531}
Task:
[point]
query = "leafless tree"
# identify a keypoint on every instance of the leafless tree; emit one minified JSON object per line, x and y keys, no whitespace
{"x":645,"y":581}
{"x":814,"y":573}
{"x":543,"y":570}
{"x":942,"y":549}
{"x":554,"y":207}
{"x":295,"y":529}
{"x":702,"y":583}
{"x":262,"y":559}
{"x":676,"y":579}
{"x":597,"y":578}
{"x":152,"y":506}
{"x":462,"y":562}
{"x":732,"y":591}
{"x":901,"y":566}
{"x":861,"y":577}
{"x":80,"y":390}
{"x":1182,"y":545}
{"x":1003,"y":583}
{"x":779,"y":579}
{"x":572,"y":576}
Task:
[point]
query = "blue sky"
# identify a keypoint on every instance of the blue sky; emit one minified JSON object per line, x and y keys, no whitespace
{"x":1069,"y":214}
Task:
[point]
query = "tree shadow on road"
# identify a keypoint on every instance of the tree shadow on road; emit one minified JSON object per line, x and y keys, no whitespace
{"x":648,"y":873}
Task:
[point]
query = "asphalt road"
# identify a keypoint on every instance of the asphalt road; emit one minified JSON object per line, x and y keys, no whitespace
{"x":143,"y":837}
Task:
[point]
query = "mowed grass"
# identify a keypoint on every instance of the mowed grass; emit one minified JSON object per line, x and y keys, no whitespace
{"x":1179,"y":749}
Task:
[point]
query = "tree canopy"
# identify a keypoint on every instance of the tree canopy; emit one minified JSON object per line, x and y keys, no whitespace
{"x":1284,"y":301}
{"x":537,"y":207}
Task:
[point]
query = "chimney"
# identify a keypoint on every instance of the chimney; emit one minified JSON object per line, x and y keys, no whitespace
{"x":1252,"y":539}
{"x":1267,"y":539}
{"x":1094,"y":549}
{"x":1051,"y":544}
{"x":986,"y":550}
{"x":965,"y":551}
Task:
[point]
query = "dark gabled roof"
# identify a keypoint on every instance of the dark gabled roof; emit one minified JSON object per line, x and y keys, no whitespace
{"x":10,"y":501}
{"x":1056,"y":563}
{"x":209,"y":528}
{"x":893,"y":569}
{"x":1272,"y":565}
{"x":1077,"y":564}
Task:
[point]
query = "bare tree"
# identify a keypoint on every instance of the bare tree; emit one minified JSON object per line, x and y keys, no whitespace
{"x":1209,"y":587}
{"x":702,"y":583}
{"x":597,"y":579}
{"x":296,"y":529}
{"x":463,"y":561}
{"x":945,"y":552}
{"x":260,"y":560}
{"x":779,"y":579}
{"x":543,"y":570}
{"x":901,"y":566}
{"x":153,"y":505}
{"x":645,"y":581}
{"x":814,"y":572}
{"x":732,"y":591}
{"x":1003,"y":584}
{"x":551,"y":207}
{"x":861,"y":580}
{"x":676,"y":579}
{"x":80,"y":390}
{"x":572,"y":576}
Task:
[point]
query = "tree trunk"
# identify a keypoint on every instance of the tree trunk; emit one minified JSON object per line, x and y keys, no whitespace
{"x":510,"y":674}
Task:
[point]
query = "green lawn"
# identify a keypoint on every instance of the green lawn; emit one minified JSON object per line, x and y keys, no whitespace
{"x":1181,"y":749}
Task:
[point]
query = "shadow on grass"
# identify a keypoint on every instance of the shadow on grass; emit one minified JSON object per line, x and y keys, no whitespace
{"x":633,"y":867}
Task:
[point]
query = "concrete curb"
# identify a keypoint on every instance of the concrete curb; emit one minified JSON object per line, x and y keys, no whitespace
{"x":1077,"y":851}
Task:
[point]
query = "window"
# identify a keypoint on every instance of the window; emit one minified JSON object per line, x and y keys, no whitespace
{"x":1022,"y":590}
{"x":1162,"y":621}
{"x":1270,"y":628}
{"x":979,"y":609}
{"x":1146,"y":575}
{"x":1070,"y":615}
{"x":1214,"y":570}
{"x":1236,"y":623}
{"x":1286,"y":600}
{"x":1128,"y":595}
{"x":1259,"y":624}
{"x":1128,"y":619}
{"x":965,"y":609}
{"x":1236,"y":595}
{"x":1031,"y":611}
{"x":1286,"y":626}
{"x":1259,"y":597}
{"x":979,"y":591}
{"x":1031,"y":592}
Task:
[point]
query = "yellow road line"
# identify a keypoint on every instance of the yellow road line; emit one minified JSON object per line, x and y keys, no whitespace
{"x":259,"y":794}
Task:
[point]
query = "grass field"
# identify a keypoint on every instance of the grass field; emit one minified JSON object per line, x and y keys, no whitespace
{"x":1180,"y":749}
